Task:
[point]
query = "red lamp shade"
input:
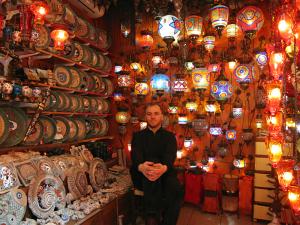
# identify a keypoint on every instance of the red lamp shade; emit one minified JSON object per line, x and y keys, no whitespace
{"x":274,"y":146}
{"x":274,"y":96}
{"x":285,"y":27}
{"x":277,"y":61}
{"x":285,"y":173}
{"x":40,"y":10}
{"x":294,"y":197}
{"x":59,"y":36}
{"x":250,"y":19}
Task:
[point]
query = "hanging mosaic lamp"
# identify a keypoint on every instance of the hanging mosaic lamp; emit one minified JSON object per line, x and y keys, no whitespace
{"x":277,"y":63}
{"x":284,"y":170}
{"x":191,"y":106}
{"x":172,"y":109}
{"x":188,"y":142}
{"x":285,"y":27}
{"x":135,"y":66}
{"x":189,"y":65}
{"x":231,"y":135}
{"x":209,"y":42}
{"x":194,"y":27}
{"x":239,"y":162}
{"x":232,"y":31}
{"x":182,"y":119}
{"x":124,"y":79}
{"x":259,"y":121}
{"x":210,"y":106}
{"x":118,"y":69}
{"x":200,"y":78}
{"x":247,"y":135}
{"x":169,"y":28}
{"x":294,"y":198}
{"x":156,"y":60}
{"x":244,"y":74}
{"x":118,"y":97}
{"x":146,"y":41}
{"x":237,"y":110}
{"x":261,"y":59}
{"x":179,"y":85}
{"x":200,"y":124}
{"x":160,"y":83}
{"x":274,"y":96}
{"x":221,"y":89}
{"x":250,"y":19}
{"x":215,"y":130}
{"x":219,"y":17}
{"x":122,"y":116}
{"x":141,"y":87}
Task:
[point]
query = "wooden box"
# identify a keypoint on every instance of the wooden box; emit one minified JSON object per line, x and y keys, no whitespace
{"x":262,"y":164}
{"x":261,"y":195}
{"x":260,"y":212}
{"x":261,"y":180}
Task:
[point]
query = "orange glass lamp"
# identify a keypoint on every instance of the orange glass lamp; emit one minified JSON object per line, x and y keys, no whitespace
{"x":122,"y":117}
{"x":284,"y":171}
{"x":146,"y":40}
{"x":59,"y":36}
{"x":285,"y":27}
{"x":274,"y":147}
{"x":179,"y":154}
{"x":277,"y":62}
{"x":274,"y":96}
{"x":232,"y":65}
{"x":294,"y":198}
{"x":39,"y":10}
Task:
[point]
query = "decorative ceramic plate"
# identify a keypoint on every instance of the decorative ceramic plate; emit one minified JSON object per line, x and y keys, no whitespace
{"x":100,"y":105}
{"x":108,"y":64}
{"x":62,"y":129}
{"x":68,"y":102}
{"x":56,"y":11}
{"x":70,"y":17}
{"x":12,"y":207}
{"x":77,"y":184}
{"x":69,"y":49}
{"x":62,"y":76}
{"x":104,"y":40}
{"x":80,"y":100}
{"x":92,"y":34}
{"x":84,"y":81}
{"x":90,"y":83}
{"x":49,"y":126}
{"x":74,"y":103}
{"x":46,"y":193}
{"x":98,"y":174}
{"x":41,"y":36}
{"x":99,"y":84}
{"x":86,"y":104}
{"x":4,"y":128}
{"x":62,"y":102}
{"x":76,"y":78}
{"x":36,"y":134}
{"x":108,"y":86}
{"x":8,"y":177}
{"x":104,"y":127}
{"x":52,"y":101}
{"x":27,"y":170}
{"x":106,"y":106}
{"x":87,"y":59}
{"x":45,"y":165}
{"x":82,"y":28}
{"x":101,"y":61}
{"x":94,"y":58}
{"x":79,"y":52}
{"x":96,"y":124}
{"x":94,"y":105}
{"x":81,"y":128}
{"x":17,"y":119}
{"x":73,"y":130}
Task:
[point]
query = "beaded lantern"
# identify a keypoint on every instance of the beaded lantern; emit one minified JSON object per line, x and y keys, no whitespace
{"x":219,"y":17}
{"x":124,"y":79}
{"x":194,"y":26}
{"x":250,"y":19}
{"x":169,"y":28}
{"x":179,"y":85}
{"x":40,"y":10}
{"x":160,"y":83}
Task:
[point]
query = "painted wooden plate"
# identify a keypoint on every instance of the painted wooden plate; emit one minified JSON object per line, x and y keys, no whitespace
{"x":74,"y":103}
{"x":79,"y":53}
{"x":108,"y":64}
{"x":68,"y":102}
{"x":87,"y":59}
{"x":81,"y":128}
{"x":84,"y":81}
{"x":109,"y":87}
{"x":94,"y":58}
{"x":92,"y":34}
{"x":76,"y":78}
{"x":96,"y":124}
{"x":99,"y":84}
{"x":62,"y":129}
{"x":62,"y":101}
{"x":49,"y":126}
{"x":94,"y":104}
{"x":101,"y":61}
{"x":17,"y":119}
{"x":52,"y":101}
{"x":77,"y":183}
{"x":73,"y":130}
{"x":90,"y":83}
{"x":27,"y":170}
{"x":82,"y":28}
{"x":62,"y":76}
{"x":86,"y":104}
{"x":104,"y":127}
{"x":4,"y":126}
{"x":8,"y":177}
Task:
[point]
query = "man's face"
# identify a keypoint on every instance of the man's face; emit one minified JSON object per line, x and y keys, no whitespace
{"x":154,"y":116}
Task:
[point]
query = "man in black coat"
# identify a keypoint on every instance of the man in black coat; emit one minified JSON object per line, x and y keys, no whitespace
{"x":153,"y":154}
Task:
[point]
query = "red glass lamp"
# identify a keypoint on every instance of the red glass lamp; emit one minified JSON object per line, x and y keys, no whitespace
{"x":285,"y":173}
{"x":59,"y":36}
{"x":40,"y":10}
{"x":294,"y":197}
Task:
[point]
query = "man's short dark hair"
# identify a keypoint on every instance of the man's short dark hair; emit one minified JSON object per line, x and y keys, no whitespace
{"x":150,"y":104}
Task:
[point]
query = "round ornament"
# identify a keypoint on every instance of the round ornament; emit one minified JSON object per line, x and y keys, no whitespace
{"x":79,"y":52}
{"x":74,"y":103}
{"x":81,"y":128}
{"x":98,"y":174}
{"x":243,"y":73}
{"x":49,"y":126}
{"x":73,"y":130}
{"x":62,"y":129}
{"x":46,"y":193}
{"x":76,"y":78}
{"x":221,"y":90}
{"x":62,"y":76}
{"x":16,"y":132}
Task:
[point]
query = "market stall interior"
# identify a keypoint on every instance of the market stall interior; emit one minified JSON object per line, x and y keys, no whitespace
{"x":76,"y":75}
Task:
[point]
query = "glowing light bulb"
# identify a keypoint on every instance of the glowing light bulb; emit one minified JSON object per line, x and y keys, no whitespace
{"x":284,"y":26}
{"x":275,"y":93}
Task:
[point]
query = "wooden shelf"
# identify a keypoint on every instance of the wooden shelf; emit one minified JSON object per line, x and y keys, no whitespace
{"x":47,"y":147}
{"x":72,"y":113}
{"x":70,"y":90}
{"x":86,"y":67}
